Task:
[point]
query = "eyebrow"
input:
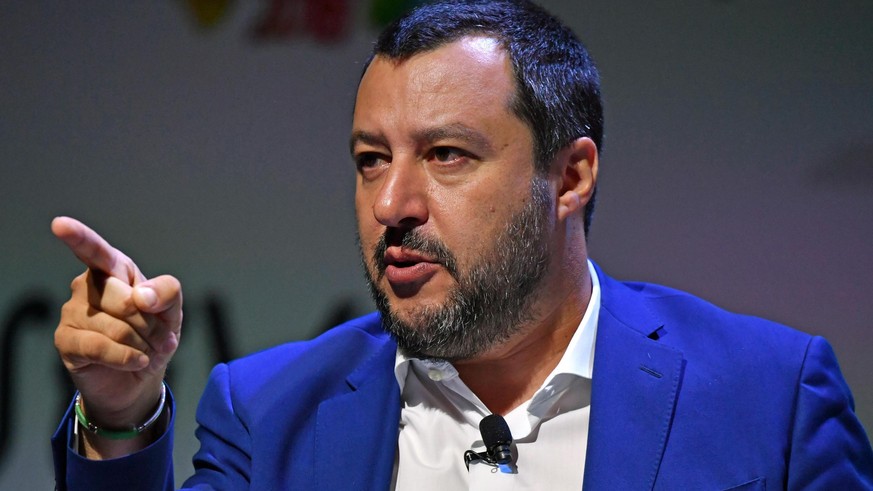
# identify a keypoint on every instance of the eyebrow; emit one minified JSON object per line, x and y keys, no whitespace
{"x":360,"y":136}
{"x":455,"y":131}
{"x":458,"y":131}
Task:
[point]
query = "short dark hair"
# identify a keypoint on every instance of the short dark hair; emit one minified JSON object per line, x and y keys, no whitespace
{"x":557,"y":85}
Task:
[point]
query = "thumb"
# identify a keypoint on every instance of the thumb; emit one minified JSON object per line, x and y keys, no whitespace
{"x":161,"y":295}
{"x":162,"y":298}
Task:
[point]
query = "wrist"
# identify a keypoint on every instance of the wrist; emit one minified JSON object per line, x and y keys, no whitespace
{"x":99,"y":445}
{"x":125,"y":431}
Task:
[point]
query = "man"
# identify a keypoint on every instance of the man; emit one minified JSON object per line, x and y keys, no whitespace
{"x":475,"y":135}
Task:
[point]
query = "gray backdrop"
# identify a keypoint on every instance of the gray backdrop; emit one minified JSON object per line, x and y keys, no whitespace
{"x":737,"y":166}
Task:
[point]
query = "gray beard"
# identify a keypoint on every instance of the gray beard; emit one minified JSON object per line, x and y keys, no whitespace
{"x":490,"y":303}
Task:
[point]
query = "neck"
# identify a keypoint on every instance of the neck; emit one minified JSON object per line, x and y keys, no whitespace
{"x":510,"y":374}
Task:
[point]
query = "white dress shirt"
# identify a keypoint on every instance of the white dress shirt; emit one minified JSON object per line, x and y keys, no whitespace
{"x":440,"y":419}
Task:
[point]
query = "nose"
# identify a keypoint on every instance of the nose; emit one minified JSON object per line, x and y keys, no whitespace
{"x":401,"y":200}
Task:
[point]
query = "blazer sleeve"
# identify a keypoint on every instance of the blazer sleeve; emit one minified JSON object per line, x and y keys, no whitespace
{"x":148,"y":470}
{"x":224,"y":459}
{"x":222,"y":463}
{"x":829,"y":448}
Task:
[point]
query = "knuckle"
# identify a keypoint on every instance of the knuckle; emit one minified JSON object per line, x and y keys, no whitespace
{"x":59,"y":338}
{"x":67,"y":309}
{"x":70,"y":348}
{"x":77,"y":312}
{"x":79,"y":281}
{"x":70,"y":366}
{"x":69,"y":313}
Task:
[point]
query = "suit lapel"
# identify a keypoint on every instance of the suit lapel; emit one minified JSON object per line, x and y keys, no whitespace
{"x":633,"y":394}
{"x":358,"y":428}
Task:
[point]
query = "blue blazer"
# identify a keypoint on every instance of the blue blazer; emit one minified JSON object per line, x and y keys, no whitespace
{"x":684,"y":396}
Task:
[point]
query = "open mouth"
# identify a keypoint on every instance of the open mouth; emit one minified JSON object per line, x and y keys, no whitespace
{"x":404,"y":264}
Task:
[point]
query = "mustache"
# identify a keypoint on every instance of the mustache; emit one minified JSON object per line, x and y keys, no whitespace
{"x":413,"y":240}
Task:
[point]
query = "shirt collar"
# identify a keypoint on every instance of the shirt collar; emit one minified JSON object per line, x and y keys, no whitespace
{"x":578,"y":358}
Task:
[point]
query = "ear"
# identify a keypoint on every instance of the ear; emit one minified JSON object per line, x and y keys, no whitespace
{"x":576,"y":165}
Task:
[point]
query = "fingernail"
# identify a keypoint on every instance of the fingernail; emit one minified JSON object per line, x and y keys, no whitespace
{"x":148,"y":296}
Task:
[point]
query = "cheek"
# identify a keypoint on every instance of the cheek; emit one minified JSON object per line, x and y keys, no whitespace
{"x":368,"y":227}
{"x":467,"y":222}
{"x":363,"y":209}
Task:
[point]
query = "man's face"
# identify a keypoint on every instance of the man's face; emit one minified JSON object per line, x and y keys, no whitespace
{"x":452,"y":219}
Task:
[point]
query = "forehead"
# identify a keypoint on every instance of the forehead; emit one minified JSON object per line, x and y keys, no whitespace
{"x":467,"y":79}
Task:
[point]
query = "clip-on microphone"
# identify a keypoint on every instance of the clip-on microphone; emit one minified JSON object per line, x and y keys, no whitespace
{"x":497,"y":440}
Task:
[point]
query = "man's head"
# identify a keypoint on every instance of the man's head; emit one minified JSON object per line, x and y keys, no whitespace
{"x":469,"y":219}
{"x":557,"y":85}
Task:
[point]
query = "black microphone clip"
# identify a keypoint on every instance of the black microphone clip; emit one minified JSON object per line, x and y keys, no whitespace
{"x":497,"y":439}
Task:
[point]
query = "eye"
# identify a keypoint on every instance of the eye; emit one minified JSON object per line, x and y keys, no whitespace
{"x":366,"y":160}
{"x":369,"y":164}
{"x":448,"y":155}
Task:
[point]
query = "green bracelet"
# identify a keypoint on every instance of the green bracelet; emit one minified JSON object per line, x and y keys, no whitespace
{"x":120,"y":435}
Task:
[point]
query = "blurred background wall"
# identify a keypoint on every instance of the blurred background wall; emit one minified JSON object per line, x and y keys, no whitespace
{"x":208,"y":139}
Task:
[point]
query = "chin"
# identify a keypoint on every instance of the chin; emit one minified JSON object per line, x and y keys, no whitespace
{"x":410,"y":310}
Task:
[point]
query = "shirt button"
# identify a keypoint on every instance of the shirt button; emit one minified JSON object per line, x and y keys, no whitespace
{"x":435,"y":374}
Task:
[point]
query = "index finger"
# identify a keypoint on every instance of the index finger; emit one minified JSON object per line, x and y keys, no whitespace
{"x":94,"y":251}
